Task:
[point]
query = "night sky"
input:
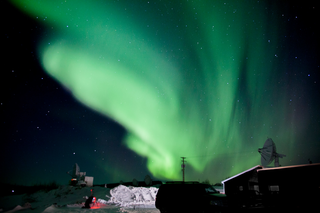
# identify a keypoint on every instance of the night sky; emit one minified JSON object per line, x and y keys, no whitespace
{"x":126,"y":88}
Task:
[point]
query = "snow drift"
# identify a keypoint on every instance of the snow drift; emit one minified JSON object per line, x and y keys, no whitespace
{"x":133,"y":196}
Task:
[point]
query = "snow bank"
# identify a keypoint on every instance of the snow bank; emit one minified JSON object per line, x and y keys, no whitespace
{"x":63,"y":196}
{"x":71,"y":199}
{"x":18,"y":207}
{"x":133,"y":196}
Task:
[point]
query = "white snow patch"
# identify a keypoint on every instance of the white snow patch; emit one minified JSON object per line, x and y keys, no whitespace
{"x":140,"y":197}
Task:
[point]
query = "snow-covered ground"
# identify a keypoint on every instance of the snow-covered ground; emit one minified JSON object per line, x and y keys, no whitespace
{"x":71,"y":199}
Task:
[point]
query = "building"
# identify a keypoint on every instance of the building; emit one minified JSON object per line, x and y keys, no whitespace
{"x":89,"y":181}
{"x":299,"y":184}
{"x":243,"y":188}
{"x":278,"y":186}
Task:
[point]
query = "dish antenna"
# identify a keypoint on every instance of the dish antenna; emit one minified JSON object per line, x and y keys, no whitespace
{"x":269,"y":153}
{"x":75,"y":172}
{"x":76,"y":175}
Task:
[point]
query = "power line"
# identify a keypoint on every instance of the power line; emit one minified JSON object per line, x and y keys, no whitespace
{"x":224,"y":154}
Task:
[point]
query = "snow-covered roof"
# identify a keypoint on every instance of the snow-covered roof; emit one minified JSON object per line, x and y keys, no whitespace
{"x":257,"y":166}
{"x":288,"y":167}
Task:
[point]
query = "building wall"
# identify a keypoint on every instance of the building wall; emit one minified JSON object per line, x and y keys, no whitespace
{"x":279,"y":186}
{"x":89,"y":181}
{"x":243,"y":183}
{"x":283,"y":184}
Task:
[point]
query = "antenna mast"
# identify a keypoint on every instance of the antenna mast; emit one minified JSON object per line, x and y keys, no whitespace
{"x":183,"y":166}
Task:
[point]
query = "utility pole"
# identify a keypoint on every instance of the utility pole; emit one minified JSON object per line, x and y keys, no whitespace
{"x":183,"y":166}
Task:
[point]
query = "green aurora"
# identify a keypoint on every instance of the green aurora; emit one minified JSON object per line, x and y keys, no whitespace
{"x":184,"y":78}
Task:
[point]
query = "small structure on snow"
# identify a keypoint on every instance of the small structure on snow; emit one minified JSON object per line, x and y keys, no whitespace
{"x":79,"y":178}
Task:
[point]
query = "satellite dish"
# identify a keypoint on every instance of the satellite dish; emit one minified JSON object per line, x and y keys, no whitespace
{"x":75,"y":172}
{"x":269,"y":153}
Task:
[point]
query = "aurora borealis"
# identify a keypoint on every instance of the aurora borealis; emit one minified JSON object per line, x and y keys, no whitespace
{"x":206,"y":81}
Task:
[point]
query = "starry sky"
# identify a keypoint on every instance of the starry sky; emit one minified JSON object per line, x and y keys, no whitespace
{"x":126,"y":88}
